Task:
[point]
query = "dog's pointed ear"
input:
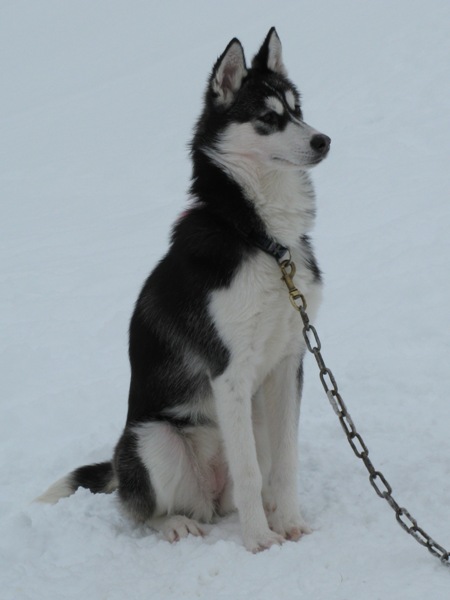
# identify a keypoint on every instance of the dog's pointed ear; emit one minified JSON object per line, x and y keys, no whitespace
{"x":270,"y":55}
{"x":228,"y":73}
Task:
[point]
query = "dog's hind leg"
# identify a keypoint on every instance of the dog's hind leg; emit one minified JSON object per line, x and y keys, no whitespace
{"x":135,"y":488}
{"x":166,"y":477}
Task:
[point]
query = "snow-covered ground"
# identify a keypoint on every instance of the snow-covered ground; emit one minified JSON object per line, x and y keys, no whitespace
{"x":97,"y":104}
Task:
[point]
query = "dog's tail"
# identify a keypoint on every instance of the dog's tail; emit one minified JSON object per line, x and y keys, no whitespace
{"x":99,"y":478}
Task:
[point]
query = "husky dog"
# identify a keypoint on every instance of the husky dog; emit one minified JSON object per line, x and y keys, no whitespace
{"x":215,"y":347}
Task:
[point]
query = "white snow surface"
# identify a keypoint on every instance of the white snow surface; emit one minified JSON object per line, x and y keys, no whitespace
{"x":97,"y":106}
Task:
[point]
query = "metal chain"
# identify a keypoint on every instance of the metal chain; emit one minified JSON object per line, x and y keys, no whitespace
{"x":378,"y":481}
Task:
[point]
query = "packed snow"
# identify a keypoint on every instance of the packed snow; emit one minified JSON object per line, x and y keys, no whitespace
{"x":97,"y":107}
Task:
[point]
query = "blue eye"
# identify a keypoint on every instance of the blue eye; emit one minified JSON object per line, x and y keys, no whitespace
{"x":269,"y":118}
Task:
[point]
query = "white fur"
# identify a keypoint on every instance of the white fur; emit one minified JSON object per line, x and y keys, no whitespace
{"x":176,"y":527}
{"x":187,"y":469}
{"x":275,"y":104}
{"x":280,"y":191}
{"x":229,"y":75}
{"x":255,"y":405}
{"x":199,"y":410}
{"x":59,"y":489}
{"x":63,"y":488}
{"x":256,"y":397}
{"x":247,"y":455}
{"x":255,"y":319}
{"x":290,"y":99}
{"x":255,"y":159}
{"x":275,"y":59}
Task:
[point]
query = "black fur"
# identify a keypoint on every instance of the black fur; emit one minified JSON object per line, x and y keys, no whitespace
{"x":171,"y":325}
{"x":261,"y":58}
{"x":171,"y":318}
{"x":135,"y":489}
{"x":211,"y":188}
{"x":311,"y":260}
{"x":96,"y":478}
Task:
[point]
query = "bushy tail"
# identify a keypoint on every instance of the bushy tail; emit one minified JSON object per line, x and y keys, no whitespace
{"x":98,"y":478}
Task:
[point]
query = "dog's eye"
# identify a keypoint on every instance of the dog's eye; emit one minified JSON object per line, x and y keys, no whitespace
{"x":298,"y":111}
{"x":269,"y":118}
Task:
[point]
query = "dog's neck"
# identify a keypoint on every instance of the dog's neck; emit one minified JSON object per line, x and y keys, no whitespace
{"x":282,"y":199}
{"x":285,"y":202}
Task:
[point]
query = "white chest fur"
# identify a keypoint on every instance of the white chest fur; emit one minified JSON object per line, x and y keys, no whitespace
{"x":254,"y":316}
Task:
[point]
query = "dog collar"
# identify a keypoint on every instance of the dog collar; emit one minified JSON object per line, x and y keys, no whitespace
{"x":270,"y":246}
{"x":259,"y":239}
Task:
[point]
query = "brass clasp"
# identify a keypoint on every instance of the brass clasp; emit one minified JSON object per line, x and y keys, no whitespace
{"x":297,"y":299}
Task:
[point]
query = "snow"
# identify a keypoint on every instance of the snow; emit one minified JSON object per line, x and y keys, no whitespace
{"x":97,"y":106}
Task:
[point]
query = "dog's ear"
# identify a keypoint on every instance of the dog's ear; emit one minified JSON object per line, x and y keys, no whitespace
{"x":228,"y":73}
{"x":270,"y":55}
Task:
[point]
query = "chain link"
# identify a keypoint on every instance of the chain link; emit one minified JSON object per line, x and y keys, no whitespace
{"x":378,"y":481}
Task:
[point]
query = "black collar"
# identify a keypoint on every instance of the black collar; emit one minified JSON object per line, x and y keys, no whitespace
{"x":269,"y":245}
{"x":256,"y":236}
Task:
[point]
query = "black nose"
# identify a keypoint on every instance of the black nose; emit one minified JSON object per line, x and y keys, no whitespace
{"x":320,"y":143}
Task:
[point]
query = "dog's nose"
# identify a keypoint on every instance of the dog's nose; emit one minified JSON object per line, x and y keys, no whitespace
{"x":320,"y":143}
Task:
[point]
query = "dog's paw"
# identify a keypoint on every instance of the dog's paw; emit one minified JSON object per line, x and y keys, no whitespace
{"x":292,"y":528}
{"x":296,"y":532}
{"x":176,"y":527}
{"x":263,"y":541}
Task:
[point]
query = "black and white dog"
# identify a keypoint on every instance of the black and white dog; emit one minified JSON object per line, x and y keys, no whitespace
{"x":215,"y":348}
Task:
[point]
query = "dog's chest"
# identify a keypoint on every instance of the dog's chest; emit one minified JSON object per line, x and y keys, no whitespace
{"x":255,"y":318}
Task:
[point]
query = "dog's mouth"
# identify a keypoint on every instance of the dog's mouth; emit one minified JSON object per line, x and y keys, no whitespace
{"x":318,"y":159}
{"x":284,"y":161}
{"x":307,"y":162}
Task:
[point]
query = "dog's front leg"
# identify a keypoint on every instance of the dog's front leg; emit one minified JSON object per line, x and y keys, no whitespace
{"x":283,"y":392}
{"x":234,"y":412}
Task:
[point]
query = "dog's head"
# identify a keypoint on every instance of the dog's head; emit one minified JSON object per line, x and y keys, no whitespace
{"x":255,"y":113}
